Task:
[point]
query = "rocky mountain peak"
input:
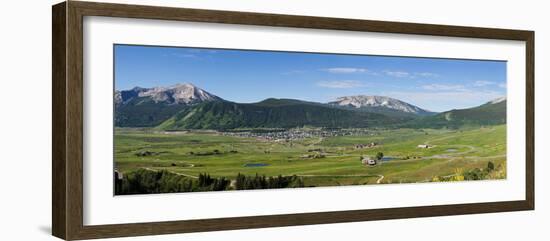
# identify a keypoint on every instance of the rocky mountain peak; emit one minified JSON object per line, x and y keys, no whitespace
{"x":185,"y":93}
{"x":366,"y":101}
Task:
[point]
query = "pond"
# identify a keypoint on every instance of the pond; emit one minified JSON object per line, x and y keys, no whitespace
{"x":451,"y":150}
{"x":256,"y":164}
{"x":388,"y":158}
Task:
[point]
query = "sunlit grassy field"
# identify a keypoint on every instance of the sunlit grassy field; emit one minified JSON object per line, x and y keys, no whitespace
{"x":329,"y":161}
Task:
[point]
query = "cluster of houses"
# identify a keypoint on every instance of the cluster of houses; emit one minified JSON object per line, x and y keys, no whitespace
{"x":295,"y":134}
{"x":368,"y":145}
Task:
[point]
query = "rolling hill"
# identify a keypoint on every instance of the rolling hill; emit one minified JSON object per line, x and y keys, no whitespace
{"x":490,"y":113}
{"x":273,"y":113}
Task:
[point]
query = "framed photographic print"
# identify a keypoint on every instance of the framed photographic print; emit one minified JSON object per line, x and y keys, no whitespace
{"x":171,"y":120}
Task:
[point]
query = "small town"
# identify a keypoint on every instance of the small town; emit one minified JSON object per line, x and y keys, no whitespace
{"x":281,"y":135}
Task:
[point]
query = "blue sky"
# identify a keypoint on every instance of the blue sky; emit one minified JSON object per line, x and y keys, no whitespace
{"x":250,"y":76}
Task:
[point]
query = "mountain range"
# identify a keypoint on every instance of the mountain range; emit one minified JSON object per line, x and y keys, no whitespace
{"x":185,"y":106}
{"x":380,"y":104}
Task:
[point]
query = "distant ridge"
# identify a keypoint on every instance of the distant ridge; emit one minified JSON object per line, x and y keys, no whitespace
{"x":497,"y":100}
{"x":379,"y":104}
{"x":186,"y":106}
{"x":273,"y":113}
{"x":491,"y":113}
{"x":177,"y":94}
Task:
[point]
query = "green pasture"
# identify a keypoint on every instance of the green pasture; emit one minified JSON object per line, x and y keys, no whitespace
{"x":192,"y":153}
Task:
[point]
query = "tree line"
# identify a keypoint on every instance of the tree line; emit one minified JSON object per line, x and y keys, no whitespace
{"x":144,"y":181}
{"x":243,"y":182}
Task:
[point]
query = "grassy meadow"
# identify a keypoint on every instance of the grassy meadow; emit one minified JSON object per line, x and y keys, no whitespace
{"x":454,"y":155}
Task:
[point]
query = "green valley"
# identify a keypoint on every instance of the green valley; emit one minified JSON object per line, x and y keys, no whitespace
{"x":329,"y":160}
{"x":184,"y":139}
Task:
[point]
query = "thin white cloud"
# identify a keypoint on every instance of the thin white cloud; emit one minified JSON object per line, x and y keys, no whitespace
{"x":346,"y":70}
{"x":185,"y":55}
{"x":341,"y":84}
{"x":180,"y":55}
{"x":426,"y":75}
{"x":398,"y":74}
{"x":502,"y":85}
{"x":406,"y":74}
{"x":444,"y":87}
{"x":480,"y":83}
{"x":191,"y":53}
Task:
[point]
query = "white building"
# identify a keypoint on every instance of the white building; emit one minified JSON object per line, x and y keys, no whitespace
{"x":368,"y":161}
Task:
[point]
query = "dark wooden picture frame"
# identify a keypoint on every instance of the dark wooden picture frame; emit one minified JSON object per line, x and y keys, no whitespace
{"x":67,"y":159}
